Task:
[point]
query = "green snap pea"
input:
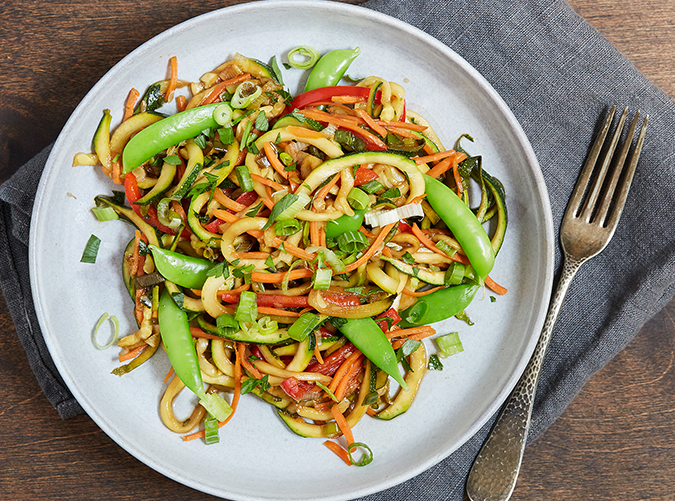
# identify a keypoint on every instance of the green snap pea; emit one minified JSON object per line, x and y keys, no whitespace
{"x":177,"y":339}
{"x":463,"y":223}
{"x":331,"y":68}
{"x":169,"y":131}
{"x":369,"y":338}
{"x":186,"y":271}
{"x":439,"y":305}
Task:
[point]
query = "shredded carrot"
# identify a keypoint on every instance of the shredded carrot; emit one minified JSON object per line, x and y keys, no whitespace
{"x":221,"y":197}
{"x":441,"y":167}
{"x":270,"y":152}
{"x":401,"y":131}
{"x":181,"y":102}
{"x":495,"y":287}
{"x":346,"y":379}
{"x":434,"y":158}
{"x":130,"y":104}
{"x":168,"y":96}
{"x":373,"y":248}
{"x":321,"y":194}
{"x":220,"y":87}
{"x":132,"y":353}
{"x":427,"y":241}
{"x":339,"y":451}
{"x":344,"y":368}
{"x":314,"y":233}
{"x":223,"y":215}
{"x":268,"y":310}
{"x":135,"y":255}
{"x":249,"y":366}
{"x":197,"y":332}
{"x":292,"y":249}
{"x":317,"y":355}
{"x":345,"y":123}
{"x":423,"y":329}
{"x":342,"y":424}
{"x":252,"y":255}
{"x":386,"y":251}
{"x":372,"y":123}
{"x":322,"y":234}
{"x":366,"y":232}
{"x":402,"y":125}
{"x":457,"y":176}
{"x":410,"y":292}
{"x":371,"y":411}
{"x":169,"y":374}
{"x":267,"y":182}
{"x":277,"y":278}
{"x":304,"y":132}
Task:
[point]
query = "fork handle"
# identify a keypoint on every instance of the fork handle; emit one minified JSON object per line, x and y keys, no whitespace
{"x":495,"y":470}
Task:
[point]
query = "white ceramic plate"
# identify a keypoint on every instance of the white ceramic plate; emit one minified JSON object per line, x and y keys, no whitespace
{"x":258,"y":457}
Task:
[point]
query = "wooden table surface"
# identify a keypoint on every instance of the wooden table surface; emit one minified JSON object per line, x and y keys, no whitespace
{"x":616,"y":440}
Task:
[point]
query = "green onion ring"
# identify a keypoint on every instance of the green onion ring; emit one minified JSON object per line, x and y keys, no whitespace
{"x":116,"y":331}
{"x":310,"y":55}
{"x":367,"y":458}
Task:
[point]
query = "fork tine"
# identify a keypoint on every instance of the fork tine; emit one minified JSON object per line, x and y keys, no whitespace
{"x":620,"y":199}
{"x":594,"y":192}
{"x":582,"y":181}
{"x":606,"y":201}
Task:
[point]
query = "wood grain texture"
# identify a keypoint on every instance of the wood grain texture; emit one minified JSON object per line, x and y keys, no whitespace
{"x":617,"y":439}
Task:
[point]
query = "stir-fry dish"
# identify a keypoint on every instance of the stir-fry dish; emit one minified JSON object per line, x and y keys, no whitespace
{"x":296,"y":248}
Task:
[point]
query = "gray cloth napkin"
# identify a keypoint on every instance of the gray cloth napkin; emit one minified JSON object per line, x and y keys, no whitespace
{"x":559,"y":76}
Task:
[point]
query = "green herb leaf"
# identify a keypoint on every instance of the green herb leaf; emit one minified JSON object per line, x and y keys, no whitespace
{"x":408,"y":258}
{"x":435,"y":363}
{"x":280,"y":207}
{"x":173,"y":160}
{"x":261,"y":122}
{"x":254,"y":210}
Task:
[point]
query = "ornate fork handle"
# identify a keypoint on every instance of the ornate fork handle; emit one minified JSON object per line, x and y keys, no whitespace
{"x":494,"y":473}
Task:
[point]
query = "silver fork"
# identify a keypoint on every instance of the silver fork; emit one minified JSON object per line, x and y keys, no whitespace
{"x":587,"y":226}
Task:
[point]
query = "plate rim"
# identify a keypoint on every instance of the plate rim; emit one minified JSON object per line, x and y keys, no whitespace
{"x":377,"y":17}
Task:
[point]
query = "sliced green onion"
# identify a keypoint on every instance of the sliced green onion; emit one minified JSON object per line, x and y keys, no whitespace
{"x":287,"y":207}
{"x":322,"y":278}
{"x":352,"y":241}
{"x":385,"y":217}
{"x":244,"y":178}
{"x":267,"y":326}
{"x":308,"y":57}
{"x":449,"y":344}
{"x":91,"y":250}
{"x":226,"y":324}
{"x":116,"y":331}
{"x":327,"y":390}
{"x":286,"y":159}
{"x":455,"y":274}
{"x":211,"y":430}
{"x":443,"y":245}
{"x":367,"y":456}
{"x":371,"y":187}
{"x":358,"y":199}
{"x":246,"y":93}
{"x":306,"y":323}
{"x":247,"y":308}
{"x":105,"y":213}
{"x":329,"y":257}
{"x":223,"y":115}
{"x":287,"y":227}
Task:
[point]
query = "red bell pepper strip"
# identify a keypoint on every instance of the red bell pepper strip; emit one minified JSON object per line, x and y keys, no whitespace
{"x":133,"y":193}
{"x":327,"y":93}
{"x":388,"y":319}
{"x":364,"y":176}
{"x":332,"y":362}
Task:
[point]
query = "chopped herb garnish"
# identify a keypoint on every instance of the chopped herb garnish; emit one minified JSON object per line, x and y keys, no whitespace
{"x":172,"y":160}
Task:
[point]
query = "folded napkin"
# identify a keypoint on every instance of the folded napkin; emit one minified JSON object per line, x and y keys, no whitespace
{"x":559,"y":76}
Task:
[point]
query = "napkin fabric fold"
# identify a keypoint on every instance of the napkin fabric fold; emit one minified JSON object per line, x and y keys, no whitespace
{"x":559,"y":76}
